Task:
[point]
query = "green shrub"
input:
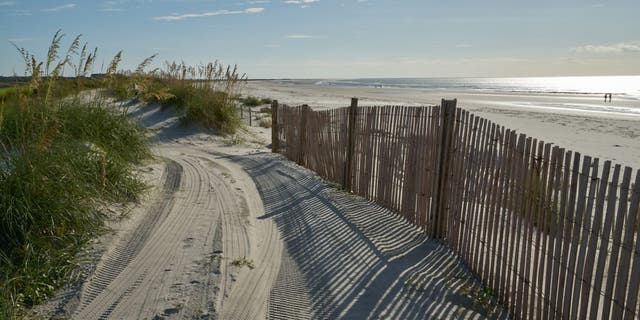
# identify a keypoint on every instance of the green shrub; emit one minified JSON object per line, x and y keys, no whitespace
{"x":265,"y":101}
{"x":212,"y":109}
{"x":251,"y":101}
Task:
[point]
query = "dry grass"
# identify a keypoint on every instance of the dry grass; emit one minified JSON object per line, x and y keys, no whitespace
{"x":265,"y":122}
{"x":61,"y":159}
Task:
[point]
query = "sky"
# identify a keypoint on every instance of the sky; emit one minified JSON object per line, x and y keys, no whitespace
{"x":340,"y":38}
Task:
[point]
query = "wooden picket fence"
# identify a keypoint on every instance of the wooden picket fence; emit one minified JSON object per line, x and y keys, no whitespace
{"x":552,"y":233}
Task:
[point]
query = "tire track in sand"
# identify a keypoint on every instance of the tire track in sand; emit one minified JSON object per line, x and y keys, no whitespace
{"x":116,"y":260}
{"x":179,"y":261}
{"x":245,"y":290}
{"x":162,"y":276}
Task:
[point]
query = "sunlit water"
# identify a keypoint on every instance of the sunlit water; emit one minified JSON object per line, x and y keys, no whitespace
{"x":622,"y":87}
{"x":618,"y":85}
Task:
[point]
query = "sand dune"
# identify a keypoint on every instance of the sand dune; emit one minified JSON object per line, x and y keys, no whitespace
{"x":235,"y":232}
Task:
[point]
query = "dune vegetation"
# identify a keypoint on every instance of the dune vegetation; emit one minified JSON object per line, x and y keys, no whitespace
{"x":66,"y":154}
{"x":205,"y":94}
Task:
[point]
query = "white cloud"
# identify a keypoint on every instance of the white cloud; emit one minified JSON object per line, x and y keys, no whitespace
{"x":175,"y":17}
{"x":114,"y":5}
{"x":20,"y":39}
{"x":7,"y":3}
{"x":258,"y":1}
{"x":19,"y":13}
{"x":629,"y":46}
{"x":463,"y":45}
{"x":59,"y":8}
{"x":300,"y":1}
{"x":303,"y":36}
{"x":254,"y":10}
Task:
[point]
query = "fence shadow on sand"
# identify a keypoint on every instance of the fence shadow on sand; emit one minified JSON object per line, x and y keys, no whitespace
{"x":349,"y":258}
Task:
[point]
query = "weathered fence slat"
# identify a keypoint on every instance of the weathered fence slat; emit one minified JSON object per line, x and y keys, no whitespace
{"x":517,"y":173}
{"x":506,"y":216}
{"x":625,"y":257}
{"x":527,"y":245}
{"x":539,"y":225}
{"x":497,"y":197}
{"x":552,"y":234}
{"x":603,"y":253}
{"x":583,"y":233}
{"x":544,"y":192}
{"x":465,"y":150}
{"x":634,"y":282}
{"x":480,"y":225}
{"x":476,"y":186}
{"x":616,"y":241}
{"x":468,"y":216}
{"x":492,"y":180}
{"x":577,"y":203}
{"x":592,"y":246}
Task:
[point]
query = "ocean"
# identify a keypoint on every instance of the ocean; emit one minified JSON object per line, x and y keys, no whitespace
{"x":620,"y":86}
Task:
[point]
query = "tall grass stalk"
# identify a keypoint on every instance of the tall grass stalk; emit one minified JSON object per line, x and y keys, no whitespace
{"x":62,"y":158}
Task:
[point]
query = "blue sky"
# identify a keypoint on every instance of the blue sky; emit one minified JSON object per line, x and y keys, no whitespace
{"x":342,"y":38}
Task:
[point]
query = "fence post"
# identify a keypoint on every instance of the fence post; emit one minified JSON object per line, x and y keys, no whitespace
{"x":303,"y":133}
{"x":353,"y":112}
{"x":447,"y":116}
{"x":275,"y":137}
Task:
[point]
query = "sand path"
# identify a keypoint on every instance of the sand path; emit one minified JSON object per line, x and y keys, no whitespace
{"x":235,"y":232}
{"x":194,"y":249}
{"x":185,"y":259}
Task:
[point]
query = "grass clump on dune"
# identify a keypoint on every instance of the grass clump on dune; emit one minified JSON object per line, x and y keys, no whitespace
{"x":62,"y":159}
{"x":204,"y":94}
{"x":251,"y":101}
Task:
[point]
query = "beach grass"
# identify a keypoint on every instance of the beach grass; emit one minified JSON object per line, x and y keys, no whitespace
{"x":204,"y":94}
{"x":63,"y":158}
{"x":251,"y":101}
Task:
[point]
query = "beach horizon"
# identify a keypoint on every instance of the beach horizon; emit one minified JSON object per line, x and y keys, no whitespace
{"x":581,"y":122}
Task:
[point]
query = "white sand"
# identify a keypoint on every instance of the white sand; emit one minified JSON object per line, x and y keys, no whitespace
{"x":231,"y":231}
{"x":574,"y":122}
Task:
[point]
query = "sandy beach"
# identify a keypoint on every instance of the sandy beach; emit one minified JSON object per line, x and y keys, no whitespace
{"x":229,"y":230}
{"x":581,"y":123}
{"x":232,"y":231}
